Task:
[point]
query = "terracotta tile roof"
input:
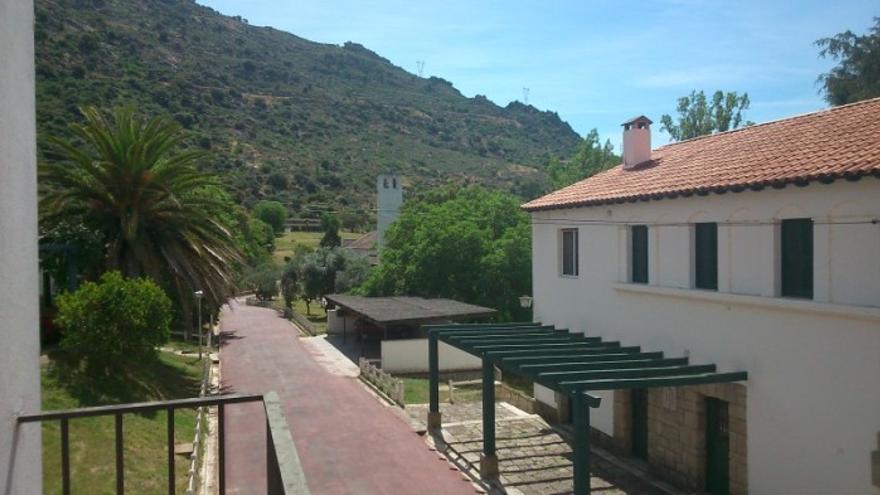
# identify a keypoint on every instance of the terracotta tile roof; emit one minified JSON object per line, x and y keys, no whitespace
{"x":840,"y":142}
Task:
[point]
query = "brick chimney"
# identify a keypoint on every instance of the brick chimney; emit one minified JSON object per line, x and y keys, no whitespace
{"x":636,"y":141}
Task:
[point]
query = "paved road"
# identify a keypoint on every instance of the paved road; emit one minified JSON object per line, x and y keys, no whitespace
{"x":348,"y":442}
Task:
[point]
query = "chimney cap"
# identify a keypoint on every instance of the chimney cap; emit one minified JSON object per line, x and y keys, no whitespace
{"x":640,"y":118}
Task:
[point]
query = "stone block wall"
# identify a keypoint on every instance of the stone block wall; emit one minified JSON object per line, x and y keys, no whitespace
{"x":677,"y":432}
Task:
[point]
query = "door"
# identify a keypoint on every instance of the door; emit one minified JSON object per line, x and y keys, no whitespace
{"x":717,"y":447}
{"x":640,"y":423}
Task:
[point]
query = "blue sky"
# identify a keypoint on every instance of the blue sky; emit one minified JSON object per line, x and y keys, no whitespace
{"x":595,"y":63}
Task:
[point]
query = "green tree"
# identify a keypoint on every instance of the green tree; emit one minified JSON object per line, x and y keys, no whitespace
{"x":290,"y":283}
{"x":591,"y":158}
{"x":273,"y":213}
{"x":113,"y":322}
{"x":698,"y":117}
{"x":263,"y":280}
{"x":123,"y":178}
{"x":857,"y":74}
{"x":469,"y":244}
{"x":318,"y":271}
{"x":330,"y":226}
{"x":356,"y":271}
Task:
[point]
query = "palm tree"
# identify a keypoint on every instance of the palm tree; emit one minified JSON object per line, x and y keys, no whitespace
{"x":155,"y":211}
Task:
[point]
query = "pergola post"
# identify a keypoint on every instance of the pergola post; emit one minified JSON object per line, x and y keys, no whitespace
{"x":434,"y":421}
{"x":581,"y":412}
{"x":488,"y":460}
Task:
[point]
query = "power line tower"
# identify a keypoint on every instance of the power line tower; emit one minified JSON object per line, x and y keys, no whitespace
{"x":526,"y":95}
{"x":420,"y":66}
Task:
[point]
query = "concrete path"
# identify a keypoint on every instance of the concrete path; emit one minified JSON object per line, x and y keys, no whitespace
{"x":348,"y":442}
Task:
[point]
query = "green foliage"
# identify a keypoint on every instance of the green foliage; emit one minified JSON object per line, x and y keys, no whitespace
{"x":857,"y":74}
{"x":356,"y":271}
{"x":257,"y":95}
{"x":263,"y":280}
{"x":699,"y":117}
{"x":471,"y":244}
{"x":158,"y":216}
{"x":315,"y":272}
{"x":592,"y":157}
{"x":273,"y":213}
{"x":290,"y":286}
{"x":114,"y":322}
{"x":330,"y":226}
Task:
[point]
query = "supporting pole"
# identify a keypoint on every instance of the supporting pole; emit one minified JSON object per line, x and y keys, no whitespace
{"x":434,"y":421}
{"x":200,"y":329}
{"x":581,"y":412}
{"x":488,"y":460}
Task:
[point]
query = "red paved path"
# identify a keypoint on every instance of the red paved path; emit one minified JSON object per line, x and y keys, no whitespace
{"x":348,"y":442}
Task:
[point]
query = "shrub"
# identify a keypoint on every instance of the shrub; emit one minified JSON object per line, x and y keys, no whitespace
{"x":113,"y":322}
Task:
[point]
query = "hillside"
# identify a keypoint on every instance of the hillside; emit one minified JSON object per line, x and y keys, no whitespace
{"x":285,"y":118}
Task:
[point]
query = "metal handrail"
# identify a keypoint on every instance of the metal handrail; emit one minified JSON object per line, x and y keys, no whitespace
{"x":284,"y":473}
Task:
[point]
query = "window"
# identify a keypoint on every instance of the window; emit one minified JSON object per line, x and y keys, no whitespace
{"x":570,"y":252}
{"x":639,"y":253}
{"x":706,"y":256}
{"x":797,"y":257}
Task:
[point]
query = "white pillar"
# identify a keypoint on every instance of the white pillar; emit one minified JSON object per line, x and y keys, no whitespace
{"x":20,"y":460}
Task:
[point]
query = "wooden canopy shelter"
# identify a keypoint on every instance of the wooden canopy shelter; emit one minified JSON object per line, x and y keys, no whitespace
{"x":570,"y":363}
{"x":384,"y":311}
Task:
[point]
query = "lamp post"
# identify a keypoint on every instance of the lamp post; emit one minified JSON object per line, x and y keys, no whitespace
{"x":199,"y":295}
{"x":525,"y":302}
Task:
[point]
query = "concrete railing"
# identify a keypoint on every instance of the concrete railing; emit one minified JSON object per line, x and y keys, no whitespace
{"x":387,"y":384}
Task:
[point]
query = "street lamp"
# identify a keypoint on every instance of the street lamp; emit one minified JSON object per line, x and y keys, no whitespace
{"x":525,"y":302}
{"x":199,"y":295}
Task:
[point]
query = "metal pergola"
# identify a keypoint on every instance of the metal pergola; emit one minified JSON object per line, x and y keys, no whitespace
{"x":570,"y":363}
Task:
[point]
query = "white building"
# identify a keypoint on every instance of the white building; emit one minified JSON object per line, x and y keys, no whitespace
{"x":756,"y":249}
{"x":389,"y":198}
{"x":19,"y":311}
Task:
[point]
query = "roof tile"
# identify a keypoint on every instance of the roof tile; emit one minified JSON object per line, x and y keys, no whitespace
{"x":838,"y":142}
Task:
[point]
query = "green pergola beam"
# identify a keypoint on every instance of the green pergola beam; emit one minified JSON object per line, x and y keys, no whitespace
{"x":572,"y":376}
{"x":533,"y":339}
{"x":664,"y":381}
{"x":563,"y":334}
{"x":563,"y":351}
{"x":549,"y":346}
{"x":441,"y":326}
{"x":466,"y":328}
{"x":602,"y":365}
{"x":612,"y":355}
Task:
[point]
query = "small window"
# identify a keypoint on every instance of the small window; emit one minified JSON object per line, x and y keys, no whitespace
{"x":385,"y":182}
{"x":706,"y":256}
{"x":394,"y":183}
{"x":639,"y":250}
{"x":797,"y":257}
{"x":570,"y":252}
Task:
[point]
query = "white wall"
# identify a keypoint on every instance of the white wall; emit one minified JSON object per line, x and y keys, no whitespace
{"x":813,"y":388}
{"x":411,"y":356}
{"x":339,"y":325}
{"x":19,"y":313}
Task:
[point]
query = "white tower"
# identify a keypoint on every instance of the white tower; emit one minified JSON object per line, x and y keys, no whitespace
{"x":389,"y":197}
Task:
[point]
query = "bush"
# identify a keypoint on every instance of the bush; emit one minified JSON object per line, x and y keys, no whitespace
{"x":114,"y":322}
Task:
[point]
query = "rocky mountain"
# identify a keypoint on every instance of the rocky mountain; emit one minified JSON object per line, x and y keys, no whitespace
{"x":285,"y":118}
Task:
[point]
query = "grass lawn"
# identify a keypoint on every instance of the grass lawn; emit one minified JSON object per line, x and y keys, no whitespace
{"x":415,"y":391}
{"x":285,"y":243}
{"x":318,"y":317}
{"x":92,"y":454}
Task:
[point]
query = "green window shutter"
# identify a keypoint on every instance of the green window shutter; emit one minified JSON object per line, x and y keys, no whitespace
{"x":570,"y":252}
{"x":797,"y":257}
{"x":706,"y":256}
{"x":639,"y":261}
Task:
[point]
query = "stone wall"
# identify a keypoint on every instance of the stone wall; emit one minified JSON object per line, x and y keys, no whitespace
{"x":677,"y":432}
